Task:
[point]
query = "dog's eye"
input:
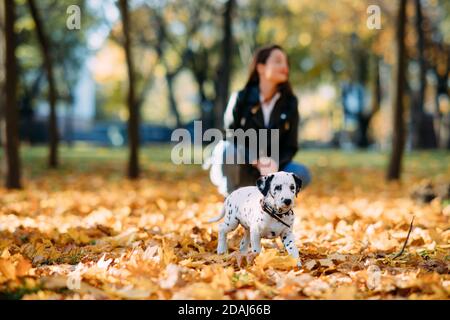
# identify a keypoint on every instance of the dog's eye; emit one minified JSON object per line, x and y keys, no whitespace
{"x":278,"y":188}
{"x":293,"y":188}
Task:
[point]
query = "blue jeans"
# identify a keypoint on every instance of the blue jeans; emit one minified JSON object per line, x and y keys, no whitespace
{"x":301,"y":171}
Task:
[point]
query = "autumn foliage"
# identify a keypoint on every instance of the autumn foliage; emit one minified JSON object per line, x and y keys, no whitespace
{"x":85,"y":232}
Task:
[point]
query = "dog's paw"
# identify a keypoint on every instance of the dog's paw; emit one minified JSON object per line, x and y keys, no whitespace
{"x":249,"y":258}
{"x":222,"y":249}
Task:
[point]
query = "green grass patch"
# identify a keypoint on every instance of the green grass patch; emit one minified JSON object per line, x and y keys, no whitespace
{"x":89,"y":159}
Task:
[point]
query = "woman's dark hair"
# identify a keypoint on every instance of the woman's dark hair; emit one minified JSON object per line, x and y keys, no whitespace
{"x":261,"y":56}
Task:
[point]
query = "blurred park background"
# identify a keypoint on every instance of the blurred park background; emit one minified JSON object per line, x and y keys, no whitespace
{"x":105,"y":73}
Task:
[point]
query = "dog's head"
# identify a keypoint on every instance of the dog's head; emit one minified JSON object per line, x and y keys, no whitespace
{"x":280,"y":190}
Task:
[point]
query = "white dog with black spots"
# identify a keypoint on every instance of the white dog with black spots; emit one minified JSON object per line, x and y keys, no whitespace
{"x":265,"y":211}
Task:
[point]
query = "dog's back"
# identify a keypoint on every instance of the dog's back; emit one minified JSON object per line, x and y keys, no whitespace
{"x":236,"y":198}
{"x":243,"y":195}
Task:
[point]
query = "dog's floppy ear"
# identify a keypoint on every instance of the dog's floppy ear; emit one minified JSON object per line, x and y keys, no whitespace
{"x":298,"y":183}
{"x":263,"y":184}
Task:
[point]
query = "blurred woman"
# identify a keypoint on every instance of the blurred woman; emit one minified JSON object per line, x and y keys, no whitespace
{"x":266,"y":102}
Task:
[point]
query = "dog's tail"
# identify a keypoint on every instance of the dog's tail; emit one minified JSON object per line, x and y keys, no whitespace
{"x":216,"y":219}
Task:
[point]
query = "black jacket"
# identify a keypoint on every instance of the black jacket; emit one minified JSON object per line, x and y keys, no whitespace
{"x":244,"y":112}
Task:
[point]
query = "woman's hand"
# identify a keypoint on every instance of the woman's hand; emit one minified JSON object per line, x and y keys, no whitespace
{"x":266,"y":166}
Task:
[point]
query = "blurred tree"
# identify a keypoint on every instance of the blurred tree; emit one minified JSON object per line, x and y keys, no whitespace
{"x":332,"y":44}
{"x":133,"y":120}
{"x":417,"y":109}
{"x":173,"y":26}
{"x":174,"y":36}
{"x":440,"y":68}
{"x":422,"y":133}
{"x":204,"y":58}
{"x":156,"y":46}
{"x":2,"y":62}
{"x":354,"y":93}
{"x":144,"y":35}
{"x":226,"y":63}
{"x":249,"y":16}
{"x":69,"y":49}
{"x":10,"y":132}
{"x":431,"y":54}
{"x":47,"y":51}
{"x":185,"y":35}
{"x":398,"y":137}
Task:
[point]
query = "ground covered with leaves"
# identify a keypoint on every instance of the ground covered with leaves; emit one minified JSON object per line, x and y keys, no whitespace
{"x":85,"y":232}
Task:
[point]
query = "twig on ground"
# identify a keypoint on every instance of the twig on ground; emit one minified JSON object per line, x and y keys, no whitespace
{"x":406,"y":241}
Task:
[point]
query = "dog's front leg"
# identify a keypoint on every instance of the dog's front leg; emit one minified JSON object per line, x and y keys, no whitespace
{"x":288,"y":240}
{"x":255,"y":240}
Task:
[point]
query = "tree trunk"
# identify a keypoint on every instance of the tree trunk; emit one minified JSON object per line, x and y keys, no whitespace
{"x":2,"y":68}
{"x":205,"y":104}
{"x":376,"y":86}
{"x":398,"y":137}
{"x":365,"y":118}
{"x":442,"y":76}
{"x":70,"y":113}
{"x":44,"y":42}
{"x":172,"y":100}
{"x":199,"y":63}
{"x":417,"y":106}
{"x":133,"y":121}
{"x":359,"y":79}
{"x":10,"y":132}
{"x":224,"y":73}
{"x":206,"y":107}
{"x":421,"y":51}
{"x":437,"y":121}
{"x":363,"y":140}
{"x":26,"y":112}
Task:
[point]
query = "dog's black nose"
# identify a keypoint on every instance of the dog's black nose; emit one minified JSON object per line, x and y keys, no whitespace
{"x":288,"y":202}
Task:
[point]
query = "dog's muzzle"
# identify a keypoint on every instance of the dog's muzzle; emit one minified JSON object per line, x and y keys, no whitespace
{"x":273,"y":213}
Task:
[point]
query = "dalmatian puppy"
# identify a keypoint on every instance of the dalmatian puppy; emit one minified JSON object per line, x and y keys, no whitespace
{"x":265,"y":211}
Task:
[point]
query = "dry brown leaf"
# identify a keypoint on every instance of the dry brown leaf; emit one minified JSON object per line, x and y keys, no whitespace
{"x":272,"y":258}
{"x":8,"y":269}
{"x":199,"y":291}
{"x":310,"y":264}
{"x":326,"y":263}
{"x":346,"y":292}
{"x":23,"y":267}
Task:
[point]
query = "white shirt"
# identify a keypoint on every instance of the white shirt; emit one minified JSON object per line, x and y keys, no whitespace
{"x":267,"y":107}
